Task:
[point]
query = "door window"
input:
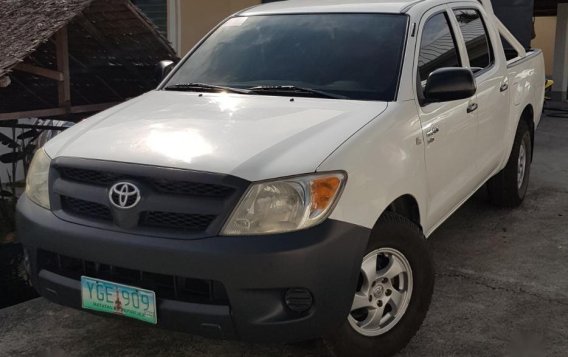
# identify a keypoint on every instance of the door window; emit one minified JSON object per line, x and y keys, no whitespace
{"x":476,"y":39}
{"x":437,"y":48}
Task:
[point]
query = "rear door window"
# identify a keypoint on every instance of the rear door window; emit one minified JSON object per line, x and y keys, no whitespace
{"x":437,"y":48}
{"x":476,"y":39}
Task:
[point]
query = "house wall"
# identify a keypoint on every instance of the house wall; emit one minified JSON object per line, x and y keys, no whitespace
{"x":197,"y":17}
{"x":545,"y":28}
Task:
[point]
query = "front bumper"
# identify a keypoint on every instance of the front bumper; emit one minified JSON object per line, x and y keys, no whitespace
{"x":255,"y":272}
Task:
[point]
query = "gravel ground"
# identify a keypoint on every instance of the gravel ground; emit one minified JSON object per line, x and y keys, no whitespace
{"x":502,"y":288}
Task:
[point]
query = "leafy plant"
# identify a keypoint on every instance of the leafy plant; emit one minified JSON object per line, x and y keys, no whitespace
{"x":23,"y":148}
{"x":22,"y":151}
{"x":14,"y":282}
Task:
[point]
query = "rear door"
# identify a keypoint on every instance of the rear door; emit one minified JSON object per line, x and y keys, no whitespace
{"x":492,"y":85}
{"x":450,"y":128}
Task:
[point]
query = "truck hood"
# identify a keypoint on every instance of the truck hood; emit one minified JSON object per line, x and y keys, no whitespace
{"x":253,"y":137}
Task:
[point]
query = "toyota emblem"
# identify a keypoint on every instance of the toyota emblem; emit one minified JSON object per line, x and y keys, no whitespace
{"x":124,"y":195}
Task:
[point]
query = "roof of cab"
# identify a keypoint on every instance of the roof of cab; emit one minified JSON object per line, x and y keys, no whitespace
{"x":330,"y":6}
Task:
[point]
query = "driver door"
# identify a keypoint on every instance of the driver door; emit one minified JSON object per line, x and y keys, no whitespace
{"x":449,"y":128}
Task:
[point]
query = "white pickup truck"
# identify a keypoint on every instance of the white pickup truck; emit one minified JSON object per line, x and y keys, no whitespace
{"x":280,"y":183}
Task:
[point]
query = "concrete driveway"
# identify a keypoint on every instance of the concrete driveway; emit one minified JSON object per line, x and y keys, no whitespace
{"x":502,"y":288}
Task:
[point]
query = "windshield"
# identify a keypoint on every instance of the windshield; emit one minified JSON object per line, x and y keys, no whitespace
{"x":353,"y":56}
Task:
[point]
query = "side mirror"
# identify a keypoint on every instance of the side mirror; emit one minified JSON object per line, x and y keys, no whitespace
{"x":164,"y":68}
{"x":447,"y":84}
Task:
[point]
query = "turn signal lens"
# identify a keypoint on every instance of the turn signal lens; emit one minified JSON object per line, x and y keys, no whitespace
{"x":323,"y":192}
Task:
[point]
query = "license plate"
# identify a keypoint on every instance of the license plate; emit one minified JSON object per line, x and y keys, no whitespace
{"x":118,"y":299}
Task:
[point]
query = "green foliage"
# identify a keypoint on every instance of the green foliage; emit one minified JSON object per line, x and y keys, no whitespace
{"x":22,"y":152}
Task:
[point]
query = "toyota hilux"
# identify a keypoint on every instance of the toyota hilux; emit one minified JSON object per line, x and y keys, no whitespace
{"x":281,"y":182}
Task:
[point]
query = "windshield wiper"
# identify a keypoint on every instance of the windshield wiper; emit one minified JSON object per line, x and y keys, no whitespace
{"x":294,"y":90}
{"x":205,"y":86}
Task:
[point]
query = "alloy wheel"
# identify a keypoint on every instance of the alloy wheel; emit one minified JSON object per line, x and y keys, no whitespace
{"x":383,"y":293}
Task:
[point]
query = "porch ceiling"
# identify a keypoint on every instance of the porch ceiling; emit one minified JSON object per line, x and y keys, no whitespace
{"x":547,"y":7}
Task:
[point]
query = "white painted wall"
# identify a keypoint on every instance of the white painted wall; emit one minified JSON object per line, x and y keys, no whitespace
{"x":545,"y":28}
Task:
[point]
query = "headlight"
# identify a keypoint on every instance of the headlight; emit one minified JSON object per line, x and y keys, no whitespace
{"x":37,"y":187}
{"x":285,"y":205}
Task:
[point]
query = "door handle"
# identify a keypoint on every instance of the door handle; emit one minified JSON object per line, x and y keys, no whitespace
{"x":504,"y":87}
{"x":472,"y":107}
{"x":432,"y":132}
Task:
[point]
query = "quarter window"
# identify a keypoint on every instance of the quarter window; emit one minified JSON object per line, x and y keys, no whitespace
{"x":476,"y":39}
{"x":437,"y":48}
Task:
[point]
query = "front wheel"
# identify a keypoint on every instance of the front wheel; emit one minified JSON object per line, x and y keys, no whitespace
{"x":393,"y":292}
{"x":509,"y":187}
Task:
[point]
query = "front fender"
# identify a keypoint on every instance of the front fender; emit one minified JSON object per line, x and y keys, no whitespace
{"x":384,"y":161}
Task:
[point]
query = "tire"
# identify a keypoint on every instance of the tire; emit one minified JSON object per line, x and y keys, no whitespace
{"x":506,"y":188}
{"x":397,"y":239}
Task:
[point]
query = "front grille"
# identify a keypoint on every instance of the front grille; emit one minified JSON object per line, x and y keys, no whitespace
{"x":182,"y":221}
{"x":173,"y":187}
{"x":89,"y":176}
{"x":166,"y":220}
{"x":165,"y":286}
{"x":191,"y":188}
{"x":86,"y":209}
{"x":174,"y":203}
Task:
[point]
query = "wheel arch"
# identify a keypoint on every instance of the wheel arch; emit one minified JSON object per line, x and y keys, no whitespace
{"x":528,"y":117}
{"x":406,"y":206}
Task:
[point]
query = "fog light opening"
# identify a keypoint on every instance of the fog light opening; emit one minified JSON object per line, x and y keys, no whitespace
{"x":298,"y":300}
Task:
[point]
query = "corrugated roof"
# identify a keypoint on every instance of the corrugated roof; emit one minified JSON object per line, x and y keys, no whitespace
{"x":113,"y":51}
{"x":26,"y":24}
